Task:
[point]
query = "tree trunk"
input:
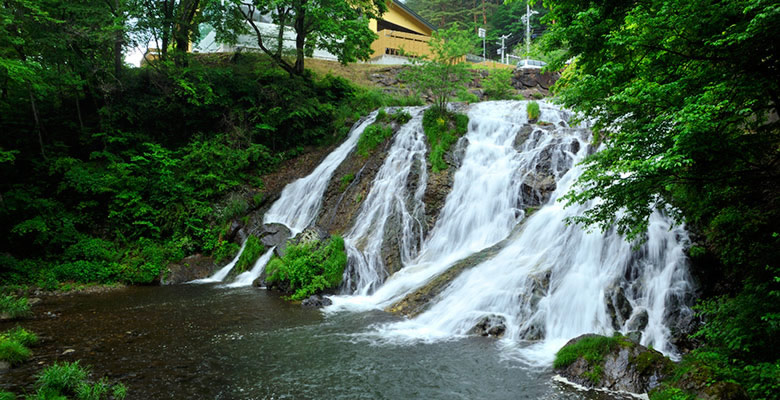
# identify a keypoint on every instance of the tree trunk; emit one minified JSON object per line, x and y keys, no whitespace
{"x":300,"y":38}
{"x":37,"y":121}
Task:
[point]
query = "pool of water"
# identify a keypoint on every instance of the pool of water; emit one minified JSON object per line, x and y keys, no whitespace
{"x":204,"y":342}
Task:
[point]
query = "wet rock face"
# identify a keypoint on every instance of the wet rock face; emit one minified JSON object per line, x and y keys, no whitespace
{"x":619,"y":308}
{"x":273,"y":235}
{"x":491,"y":325}
{"x":190,"y":268}
{"x":316,"y":301}
{"x":628,"y":366}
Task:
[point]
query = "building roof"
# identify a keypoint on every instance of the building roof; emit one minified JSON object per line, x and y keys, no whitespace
{"x":414,"y":14}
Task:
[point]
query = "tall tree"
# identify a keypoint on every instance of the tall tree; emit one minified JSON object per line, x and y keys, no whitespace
{"x":338,"y":26}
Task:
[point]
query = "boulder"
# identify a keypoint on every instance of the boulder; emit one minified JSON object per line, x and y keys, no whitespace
{"x":491,"y":325}
{"x":273,"y":235}
{"x":189,"y":268}
{"x":623,"y":365}
{"x":316,"y":301}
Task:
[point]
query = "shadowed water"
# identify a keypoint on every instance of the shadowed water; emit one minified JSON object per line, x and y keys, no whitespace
{"x":200,"y":342}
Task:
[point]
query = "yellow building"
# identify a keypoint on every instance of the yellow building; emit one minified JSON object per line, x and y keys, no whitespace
{"x":401,"y":30}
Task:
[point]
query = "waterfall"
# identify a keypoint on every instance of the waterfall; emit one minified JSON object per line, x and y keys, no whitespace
{"x":484,"y":204}
{"x":388,"y":200}
{"x":300,"y":201}
{"x":224,"y":271}
{"x":247,"y":277}
{"x":550,"y":281}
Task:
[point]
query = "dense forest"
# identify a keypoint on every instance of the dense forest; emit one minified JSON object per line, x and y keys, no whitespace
{"x":111,"y":172}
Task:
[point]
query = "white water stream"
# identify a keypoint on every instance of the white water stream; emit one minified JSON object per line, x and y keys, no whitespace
{"x":388,"y":199}
{"x":300,"y":201}
{"x":247,"y":277}
{"x":297,"y":206}
{"x":551,"y":281}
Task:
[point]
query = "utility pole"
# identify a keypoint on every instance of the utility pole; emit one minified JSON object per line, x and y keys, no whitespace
{"x":527,"y":19}
{"x":503,"y":49}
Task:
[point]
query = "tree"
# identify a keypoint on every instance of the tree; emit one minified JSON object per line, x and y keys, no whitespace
{"x":684,"y":96}
{"x":446,"y":72}
{"x":338,"y":26}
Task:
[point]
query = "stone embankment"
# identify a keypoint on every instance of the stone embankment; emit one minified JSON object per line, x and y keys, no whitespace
{"x":530,"y":83}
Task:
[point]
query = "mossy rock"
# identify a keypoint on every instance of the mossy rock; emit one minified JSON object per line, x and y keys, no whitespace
{"x":614,"y":363}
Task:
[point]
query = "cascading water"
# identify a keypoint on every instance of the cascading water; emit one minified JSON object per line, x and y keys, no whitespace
{"x":224,"y":271}
{"x":483,"y":206}
{"x":388,"y":199}
{"x":247,"y":277}
{"x":551,"y":281}
{"x":300,"y":201}
{"x":297,"y":206}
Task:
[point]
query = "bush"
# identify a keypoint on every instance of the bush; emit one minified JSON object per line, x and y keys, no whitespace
{"x":498,"y":85}
{"x":442,"y":129}
{"x":14,"y":307}
{"x":253,"y":249}
{"x":308,"y":268}
{"x":374,"y":135}
{"x":533,"y":111}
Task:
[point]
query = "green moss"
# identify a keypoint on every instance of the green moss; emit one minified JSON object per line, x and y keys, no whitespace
{"x":533,"y":110}
{"x":252,"y":251}
{"x":345,"y":181}
{"x":373,"y":136}
{"x":592,"y":349}
{"x":442,"y":130}
{"x":309,"y":268}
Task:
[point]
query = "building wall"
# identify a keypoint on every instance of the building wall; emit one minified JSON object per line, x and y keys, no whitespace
{"x":399,"y":16}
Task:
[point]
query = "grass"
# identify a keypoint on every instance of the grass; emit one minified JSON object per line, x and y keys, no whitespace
{"x":69,"y":380}
{"x":14,"y":307}
{"x":252,"y":251}
{"x":442,"y":128}
{"x":533,"y":110}
{"x":13,"y":345}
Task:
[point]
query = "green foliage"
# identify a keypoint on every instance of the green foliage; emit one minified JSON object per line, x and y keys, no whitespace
{"x":592,"y":349}
{"x":309,"y":268}
{"x":235,"y":206}
{"x":442,"y":130}
{"x":345,"y":181}
{"x":14,"y":307}
{"x":465,"y":96}
{"x":374,"y":135}
{"x":253,"y":249}
{"x":146,"y":174}
{"x":445,"y":73}
{"x":69,"y":380}
{"x":498,"y":85}
{"x":225,"y":250}
{"x":338,"y":26}
{"x":684,"y":107}
{"x":532,"y":108}
{"x":14,"y":343}
{"x":62,"y":377}
{"x":398,"y":116}
{"x":7,"y":396}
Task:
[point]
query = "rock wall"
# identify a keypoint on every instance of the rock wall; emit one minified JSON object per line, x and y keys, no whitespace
{"x":529,"y":83}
